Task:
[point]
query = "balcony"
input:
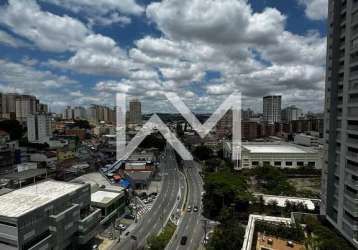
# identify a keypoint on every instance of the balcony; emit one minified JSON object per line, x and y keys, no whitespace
{"x":88,"y":226}
{"x":89,"y":220}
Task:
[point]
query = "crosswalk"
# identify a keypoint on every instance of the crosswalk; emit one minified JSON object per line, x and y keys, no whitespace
{"x":142,"y":209}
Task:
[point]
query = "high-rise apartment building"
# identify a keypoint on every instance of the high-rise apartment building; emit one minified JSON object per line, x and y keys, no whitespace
{"x":272,"y":109}
{"x":291,"y":113}
{"x":38,"y":128}
{"x":135,"y":112}
{"x":68,"y":113}
{"x":79,"y":113}
{"x":25,"y":105}
{"x":340,"y":173}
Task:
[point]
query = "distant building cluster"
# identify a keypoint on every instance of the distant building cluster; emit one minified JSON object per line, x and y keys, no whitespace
{"x":15,"y":106}
{"x":95,"y":114}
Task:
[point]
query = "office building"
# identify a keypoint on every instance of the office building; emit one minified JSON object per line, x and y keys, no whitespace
{"x":135,"y":112}
{"x":247,"y":114}
{"x":48,"y":215}
{"x":272,"y":109}
{"x":340,"y":174}
{"x":38,"y":128}
{"x":291,"y":113}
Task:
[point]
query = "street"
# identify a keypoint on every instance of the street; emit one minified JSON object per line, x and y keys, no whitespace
{"x":191,"y":225}
{"x":155,"y":219}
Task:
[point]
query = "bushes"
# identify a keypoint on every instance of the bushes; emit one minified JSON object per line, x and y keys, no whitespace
{"x":160,"y":242}
{"x":292,"y":232}
{"x":322,"y":238}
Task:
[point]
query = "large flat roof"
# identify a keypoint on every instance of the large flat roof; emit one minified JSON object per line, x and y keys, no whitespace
{"x":284,"y":148}
{"x":24,"y":200}
{"x":104,"y":197}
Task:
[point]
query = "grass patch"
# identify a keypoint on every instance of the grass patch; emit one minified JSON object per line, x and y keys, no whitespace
{"x":160,"y":242}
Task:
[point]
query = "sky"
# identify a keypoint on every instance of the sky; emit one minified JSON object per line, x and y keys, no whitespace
{"x":78,"y":52}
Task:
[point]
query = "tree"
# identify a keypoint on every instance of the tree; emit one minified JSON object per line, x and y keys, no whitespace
{"x":228,"y":236}
{"x":203,"y":152}
{"x":13,"y":128}
{"x":214,"y":164}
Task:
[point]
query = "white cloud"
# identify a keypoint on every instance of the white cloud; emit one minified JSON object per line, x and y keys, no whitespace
{"x":101,"y":6}
{"x":218,"y":22}
{"x":29,"y":78}
{"x":315,"y":9}
{"x":8,"y":39}
{"x":46,"y":30}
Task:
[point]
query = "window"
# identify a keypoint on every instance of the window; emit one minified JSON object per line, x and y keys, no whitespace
{"x":288,"y":163}
{"x":300,"y":163}
{"x":311,"y":164}
{"x":277,"y":163}
{"x":255,"y":163}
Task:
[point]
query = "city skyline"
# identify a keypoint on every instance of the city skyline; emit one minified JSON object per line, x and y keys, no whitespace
{"x":140,"y":48}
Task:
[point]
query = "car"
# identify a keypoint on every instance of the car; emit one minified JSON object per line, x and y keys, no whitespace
{"x":122,"y":227}
{"x":129,"y":216}
{"x":188,"y":209}
{"x":146,"y":201}
{"x":196,"y":209}
{"x":183,"y":240}
{"x":150,"y":199}
{"x":127,"y":233}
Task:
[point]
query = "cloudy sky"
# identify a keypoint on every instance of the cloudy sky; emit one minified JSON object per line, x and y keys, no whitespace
{"x":77,"y":52}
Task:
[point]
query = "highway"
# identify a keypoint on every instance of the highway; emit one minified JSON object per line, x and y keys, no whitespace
{"x":152,"y":222}
{"x":191,"y":225}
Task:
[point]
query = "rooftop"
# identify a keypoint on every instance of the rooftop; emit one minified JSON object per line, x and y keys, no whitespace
{"x":281,"y":200}
{"x":281,"y":148}
{"x":24,"y":200}
{"x":104,"y":197}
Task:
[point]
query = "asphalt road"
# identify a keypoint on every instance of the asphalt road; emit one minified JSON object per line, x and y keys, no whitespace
{"x":152,"y":222}
{"x":191,"y":225}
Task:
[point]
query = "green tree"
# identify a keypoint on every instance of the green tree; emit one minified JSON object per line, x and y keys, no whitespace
{"x":203,"y":153}
{"x":13,"y":127}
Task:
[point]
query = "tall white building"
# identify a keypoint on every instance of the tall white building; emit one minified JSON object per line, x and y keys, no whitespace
{"x":272,"y":109}
{"x":38,"y":128}
{"x":291,"y":113}
{"x":340,"y":169}
{"x":135,"y":112}
{"x":68,"y":113}
{"x":25,"y":105}
{"x":79,"y":113}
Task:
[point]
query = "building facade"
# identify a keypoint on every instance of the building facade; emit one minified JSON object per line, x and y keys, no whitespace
{"x":25,"y":105}
{"x":38,"y":128}
{"x":272,"y":109}
{"x":281,"y":155}
{"x":135,"y":112}
{"x":340,"y":173}
{"x":47,"y":215}
{"x":291,"y":113}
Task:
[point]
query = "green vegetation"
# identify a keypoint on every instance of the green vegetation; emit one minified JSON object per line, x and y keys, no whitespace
{"x":154,"y":140}
{"x":224,"y":190}
{"x":13,"y":128}
{"x":229,"y":235}
{"x":159,"y":242}
{"x":203,"y":153}
{"x":322,"y":238}
{"x":271,"y":180}
{"x":292,"y":231}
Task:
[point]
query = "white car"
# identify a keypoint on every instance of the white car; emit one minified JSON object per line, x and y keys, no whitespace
{"x":122,"y":227}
